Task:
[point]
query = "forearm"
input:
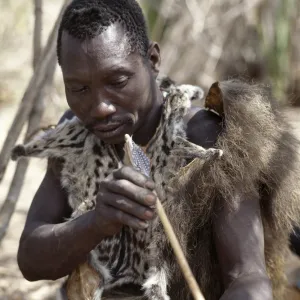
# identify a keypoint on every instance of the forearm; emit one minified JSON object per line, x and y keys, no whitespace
{"x":53,"y":251}
{"x":249,"y":287}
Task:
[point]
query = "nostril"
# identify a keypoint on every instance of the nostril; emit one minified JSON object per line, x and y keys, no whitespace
{"x":17,"y":152}
{"x":102,"y":110}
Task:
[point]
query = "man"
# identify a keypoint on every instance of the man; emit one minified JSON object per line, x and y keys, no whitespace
{"x":109,"y":69}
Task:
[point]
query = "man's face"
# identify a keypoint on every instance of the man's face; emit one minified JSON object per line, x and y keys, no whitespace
{"x":108,"y":87}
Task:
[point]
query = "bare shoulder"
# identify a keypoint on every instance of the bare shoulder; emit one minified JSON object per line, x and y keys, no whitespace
{"x":203,"y":127}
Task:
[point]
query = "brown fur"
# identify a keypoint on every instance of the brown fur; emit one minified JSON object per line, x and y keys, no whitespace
{"x":82,"y":283}
{"x":260,"y":156}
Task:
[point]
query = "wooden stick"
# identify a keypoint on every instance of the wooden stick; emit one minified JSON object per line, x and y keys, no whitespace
{"x":182,"y":261}
{"x":34,"y":88}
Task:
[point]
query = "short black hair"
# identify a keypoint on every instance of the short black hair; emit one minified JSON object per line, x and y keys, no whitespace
{"x":88,"y":18}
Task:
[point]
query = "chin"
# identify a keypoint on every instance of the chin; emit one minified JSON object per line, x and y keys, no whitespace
{"x":116,"y":136}
{"x":114,"y":140}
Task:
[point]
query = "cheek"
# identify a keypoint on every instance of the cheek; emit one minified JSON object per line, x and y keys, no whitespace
{"x":140,"y":97}
{"x":79,"y":107}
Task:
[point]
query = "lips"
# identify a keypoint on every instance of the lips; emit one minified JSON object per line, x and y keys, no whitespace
{"x":107,"y":127}
{"x":109,"y":133}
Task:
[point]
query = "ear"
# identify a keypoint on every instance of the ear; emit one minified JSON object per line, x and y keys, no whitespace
{"x":154,"y":57}
{"x":214,"y":99}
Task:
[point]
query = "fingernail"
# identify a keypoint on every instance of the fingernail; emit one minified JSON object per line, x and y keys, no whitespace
{"x":150,"y":199}
{"x":143,"y":224}
{"x":148,"y":214}
{"x":150,"y":185}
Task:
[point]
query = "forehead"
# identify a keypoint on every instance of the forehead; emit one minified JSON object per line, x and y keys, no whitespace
{"x":110,"y":47}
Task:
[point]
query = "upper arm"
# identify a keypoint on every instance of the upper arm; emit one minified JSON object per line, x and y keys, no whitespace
{"x":50,"y":203}
{"x":203,"y":127}
{"x":238,"y":231}
{"x":239,"y":238}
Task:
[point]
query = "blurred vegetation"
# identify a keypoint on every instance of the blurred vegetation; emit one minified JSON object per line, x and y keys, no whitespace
{"x":207,"y":40}
{"x":201,"y":41}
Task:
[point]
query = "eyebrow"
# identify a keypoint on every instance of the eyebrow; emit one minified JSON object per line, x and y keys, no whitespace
{"x":117,"y":68}
{"x":70,"y":79}
{"x":110,"y":70}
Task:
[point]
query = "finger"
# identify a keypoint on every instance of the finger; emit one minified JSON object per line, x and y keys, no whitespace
{"x":126,"y":219}
{"x":134,"y":176}
{"x":128,"y":206}
{"x":131,"y":191}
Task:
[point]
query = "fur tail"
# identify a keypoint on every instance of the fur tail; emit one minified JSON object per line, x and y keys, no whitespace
{"x":64,"y":139}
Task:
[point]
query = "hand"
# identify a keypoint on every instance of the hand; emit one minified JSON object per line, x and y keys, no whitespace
{"x":126,"y":199}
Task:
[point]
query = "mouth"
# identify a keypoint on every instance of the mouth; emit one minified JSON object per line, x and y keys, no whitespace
{"x":109,"y":130}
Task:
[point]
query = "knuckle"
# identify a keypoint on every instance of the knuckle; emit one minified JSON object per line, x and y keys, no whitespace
{"x":126,"y":169}
{"x":100,"y":194}
{"x":142,"y":179}
{"x":101,"y":198}
{"x":122,"y":171}
{"x":142,"y":212}
{"x":103,"y":184}
{"x":120,"y":216}
{"x":107,"y":186}
{"x":116,"y":172}
{"x":141,"y":195}
{"x":121,"y":184}
{"x":124,"y":203}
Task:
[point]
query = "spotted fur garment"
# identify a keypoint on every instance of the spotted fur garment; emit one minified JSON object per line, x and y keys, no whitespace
{"x":130,"y":256}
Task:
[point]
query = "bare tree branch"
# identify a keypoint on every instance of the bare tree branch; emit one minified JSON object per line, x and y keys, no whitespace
{"x":234,"y":12}
{"x":37,"y":37}
{"x":34,"y":88}
{"x":12,"y":197}
{"x":35,"y":117}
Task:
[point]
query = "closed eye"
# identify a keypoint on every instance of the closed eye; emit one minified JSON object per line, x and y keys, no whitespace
{"x":120,"y":83}
{"x":80,"y":90}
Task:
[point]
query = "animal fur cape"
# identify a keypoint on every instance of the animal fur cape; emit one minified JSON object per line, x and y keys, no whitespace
{"x":261,"y":157}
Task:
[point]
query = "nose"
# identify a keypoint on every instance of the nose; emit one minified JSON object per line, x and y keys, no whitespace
{"x":102,"y":110}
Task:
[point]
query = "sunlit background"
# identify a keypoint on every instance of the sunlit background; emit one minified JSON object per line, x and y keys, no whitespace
{"x":202,"y":41}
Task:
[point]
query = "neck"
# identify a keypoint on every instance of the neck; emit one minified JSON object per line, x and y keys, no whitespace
{"x":151,"y":121}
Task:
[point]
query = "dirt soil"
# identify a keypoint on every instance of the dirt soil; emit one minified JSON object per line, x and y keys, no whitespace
{"x":12,"y":284}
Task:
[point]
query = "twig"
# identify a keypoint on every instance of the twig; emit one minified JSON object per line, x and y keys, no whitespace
{"x":34,"y":88}
{"x":37,"y":36}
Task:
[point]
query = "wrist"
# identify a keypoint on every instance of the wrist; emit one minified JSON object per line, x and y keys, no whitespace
{"x":94,"y":225}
